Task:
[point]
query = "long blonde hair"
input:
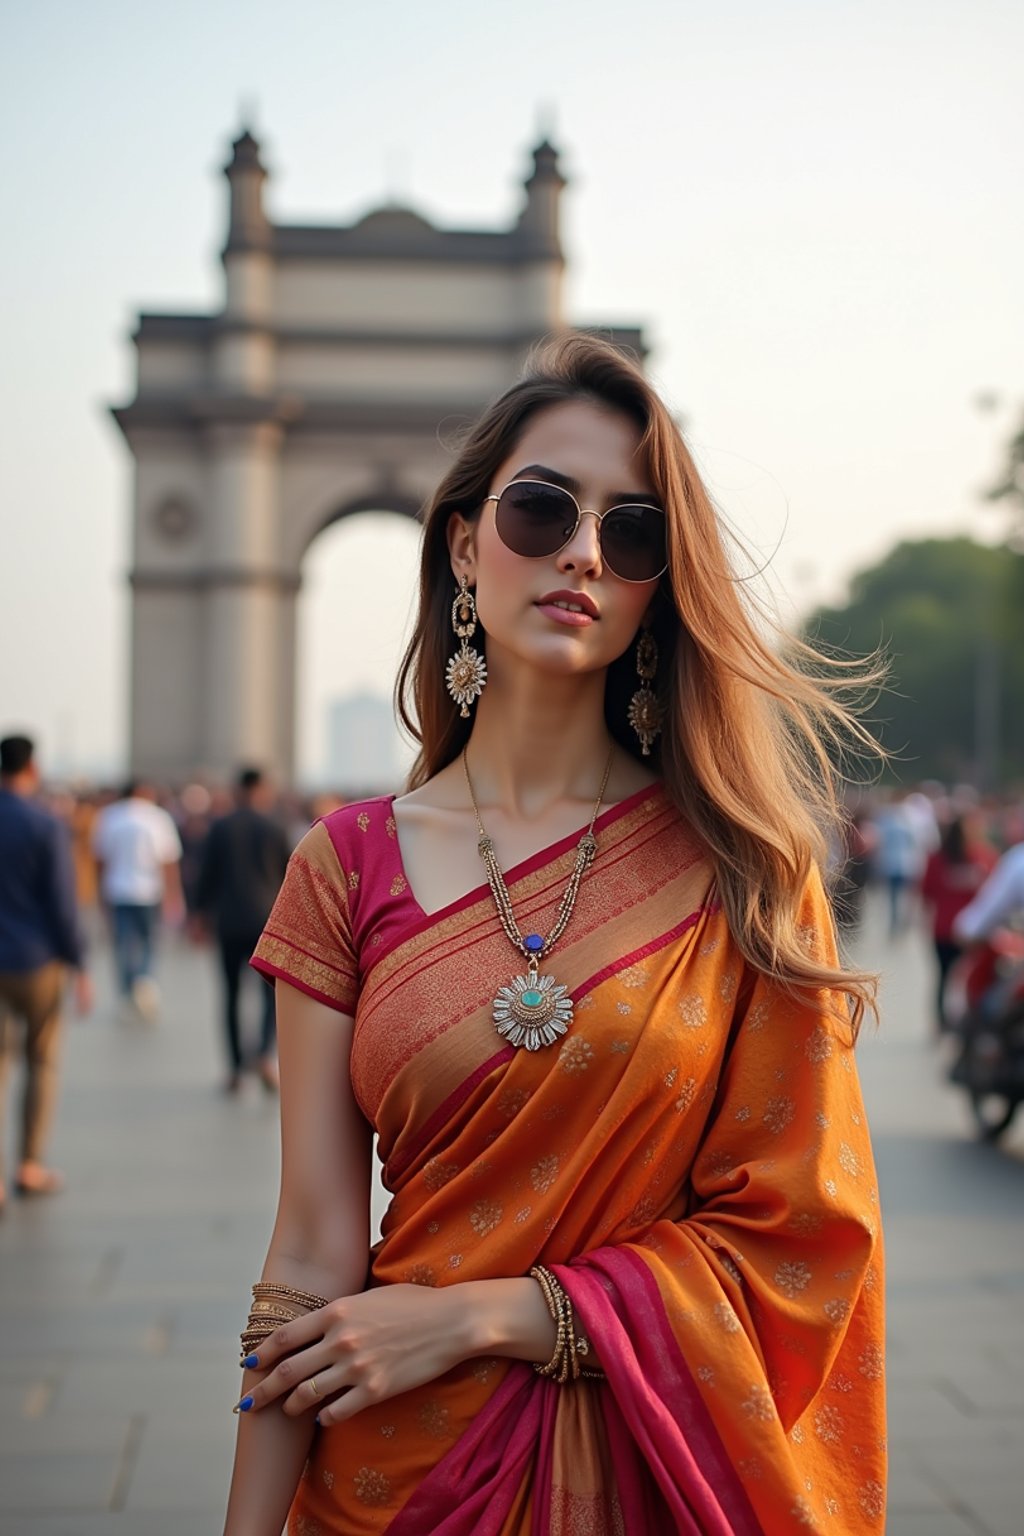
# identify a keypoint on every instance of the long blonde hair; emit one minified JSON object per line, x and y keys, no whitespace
{"x":752,"y":733}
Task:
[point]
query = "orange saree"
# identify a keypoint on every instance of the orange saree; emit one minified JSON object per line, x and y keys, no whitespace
{"x":692,"y":1161}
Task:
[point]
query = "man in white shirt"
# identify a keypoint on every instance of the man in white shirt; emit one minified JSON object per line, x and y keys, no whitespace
{"x":138,"y":850}
{"x":999,"y":898}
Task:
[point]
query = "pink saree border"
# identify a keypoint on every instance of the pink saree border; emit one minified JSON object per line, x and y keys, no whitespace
{"x":671,"y":1427}
{"x":616,"y":967}
{"x":434,"y":1122}
{"x":471,"y":1490}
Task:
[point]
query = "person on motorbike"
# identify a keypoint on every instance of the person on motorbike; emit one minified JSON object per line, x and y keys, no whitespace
{"x":1000,"y":898}
{"x":991,"y":1062}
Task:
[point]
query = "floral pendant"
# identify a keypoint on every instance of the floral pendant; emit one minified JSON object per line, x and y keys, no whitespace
{"x":533,"y":1011}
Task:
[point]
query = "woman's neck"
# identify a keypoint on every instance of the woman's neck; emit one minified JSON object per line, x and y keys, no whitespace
{"x":537,"y":740}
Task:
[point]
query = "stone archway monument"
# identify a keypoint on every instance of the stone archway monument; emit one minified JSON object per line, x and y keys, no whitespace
{"x":316,"y":391}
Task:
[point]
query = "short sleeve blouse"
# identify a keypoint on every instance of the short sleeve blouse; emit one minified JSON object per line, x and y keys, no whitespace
{"x":343,"y":902}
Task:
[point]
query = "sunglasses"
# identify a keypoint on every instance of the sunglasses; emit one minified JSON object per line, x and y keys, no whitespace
{"x":535,"y":519}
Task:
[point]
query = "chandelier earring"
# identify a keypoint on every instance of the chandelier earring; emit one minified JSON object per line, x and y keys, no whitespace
{"x":645,"y":712}
{"x":466,"y":672}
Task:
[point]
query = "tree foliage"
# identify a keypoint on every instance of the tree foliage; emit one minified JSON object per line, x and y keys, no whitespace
{"x":950,"y":615}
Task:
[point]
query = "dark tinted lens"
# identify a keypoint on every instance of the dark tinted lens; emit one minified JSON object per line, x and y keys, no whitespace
{"x":633,"y":542}
{"x":534,"y":519}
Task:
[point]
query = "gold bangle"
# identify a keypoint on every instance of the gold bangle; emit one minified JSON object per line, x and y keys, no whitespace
{"x":272,"y":1307}
{"x":261,"y":1325}
{"x":262,"y":1332}
{"x":271,"y":1320}
{"x":289,"y":1293}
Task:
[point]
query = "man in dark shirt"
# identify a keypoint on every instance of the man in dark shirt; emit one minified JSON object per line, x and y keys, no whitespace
{"x":242,"y":868}
{"x":40,"y":936}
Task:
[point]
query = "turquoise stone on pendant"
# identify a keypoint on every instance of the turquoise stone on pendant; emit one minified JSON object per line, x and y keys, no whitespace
{"x":532,"y":1011}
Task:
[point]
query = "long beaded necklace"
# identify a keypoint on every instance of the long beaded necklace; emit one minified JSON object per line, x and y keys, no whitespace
{"x":534,"y":1010}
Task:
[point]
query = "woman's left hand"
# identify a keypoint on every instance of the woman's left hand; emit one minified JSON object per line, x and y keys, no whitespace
{"x":360,"y":1350}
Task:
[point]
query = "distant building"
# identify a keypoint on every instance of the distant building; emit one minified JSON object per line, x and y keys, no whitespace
{"x":362,"y":745}
{"x":315,"y":391}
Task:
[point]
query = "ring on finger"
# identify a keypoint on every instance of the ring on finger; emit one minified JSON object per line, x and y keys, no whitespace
{"x":316,"y":1390}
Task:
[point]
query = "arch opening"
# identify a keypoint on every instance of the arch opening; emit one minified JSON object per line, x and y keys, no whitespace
{"x":355,"y":616}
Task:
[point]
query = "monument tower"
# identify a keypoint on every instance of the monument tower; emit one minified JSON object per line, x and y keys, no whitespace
{"x":316,"y":391}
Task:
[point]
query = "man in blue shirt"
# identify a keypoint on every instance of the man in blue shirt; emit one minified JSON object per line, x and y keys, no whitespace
{"x":40,"y":937}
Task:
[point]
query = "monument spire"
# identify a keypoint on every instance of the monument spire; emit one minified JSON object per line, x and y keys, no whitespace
{"x":539,"y":220}
{"x":248,"y":225}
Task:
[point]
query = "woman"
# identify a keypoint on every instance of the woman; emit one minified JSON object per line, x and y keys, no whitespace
{"x":954,"y":874}
{"x":612,"y":1080}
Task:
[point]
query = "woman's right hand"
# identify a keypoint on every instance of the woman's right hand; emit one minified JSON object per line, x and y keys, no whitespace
{"x":362,"y":1349}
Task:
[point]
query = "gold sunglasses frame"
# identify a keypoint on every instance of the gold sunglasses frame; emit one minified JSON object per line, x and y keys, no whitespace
{"x":581,"y":513}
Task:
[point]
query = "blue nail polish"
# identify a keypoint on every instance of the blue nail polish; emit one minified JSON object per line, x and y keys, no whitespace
{"x":245,"y":1404}
{"x":250,"y":1362}
{"x":318,"y":1419}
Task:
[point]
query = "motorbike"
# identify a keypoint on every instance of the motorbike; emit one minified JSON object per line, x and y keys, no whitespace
{"x":985,"y":1014}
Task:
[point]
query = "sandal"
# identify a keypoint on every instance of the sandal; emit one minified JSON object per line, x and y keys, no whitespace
{"x":268,"y":1075}
{"x":52,"y":1182}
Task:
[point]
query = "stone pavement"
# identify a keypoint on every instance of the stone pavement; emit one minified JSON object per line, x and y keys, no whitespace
{"x":120,"y":1302}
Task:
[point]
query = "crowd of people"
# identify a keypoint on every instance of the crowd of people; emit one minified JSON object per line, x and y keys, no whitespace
{"x":932,"y":851}
{"x":88,"y":868}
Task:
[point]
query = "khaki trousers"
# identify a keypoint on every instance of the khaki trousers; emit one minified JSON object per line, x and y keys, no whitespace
{"x":30,"y":1018}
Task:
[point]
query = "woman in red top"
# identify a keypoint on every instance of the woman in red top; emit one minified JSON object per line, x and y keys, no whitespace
{"x":954,"y":873}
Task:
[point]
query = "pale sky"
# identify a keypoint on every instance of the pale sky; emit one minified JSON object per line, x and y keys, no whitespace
{"x":812,"y":207}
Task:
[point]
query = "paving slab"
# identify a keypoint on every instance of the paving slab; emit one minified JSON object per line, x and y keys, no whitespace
{"x":183,"y":1472}
{"x":52,"y":1479}
{"x":123,"y":1523}
{"x":929,"y":1522}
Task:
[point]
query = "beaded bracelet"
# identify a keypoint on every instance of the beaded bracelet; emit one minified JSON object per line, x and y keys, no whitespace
{"x":564,"y":1364}
{"x":553,"y":1299}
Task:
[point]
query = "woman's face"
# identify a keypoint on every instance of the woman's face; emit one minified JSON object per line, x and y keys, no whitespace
{"x":594,"y":451}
